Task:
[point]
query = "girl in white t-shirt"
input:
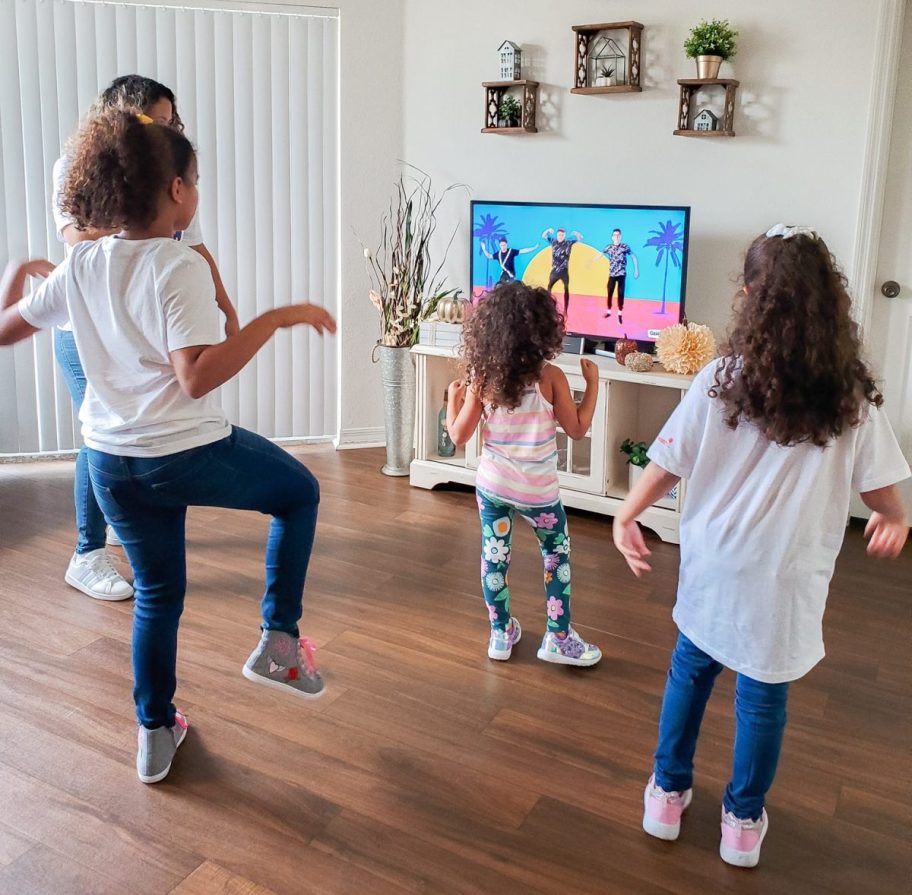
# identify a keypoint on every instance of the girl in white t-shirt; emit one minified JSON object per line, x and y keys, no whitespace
{"x":90,"y":569}
{"x":774,"y":438}
{"x":147,"y":327}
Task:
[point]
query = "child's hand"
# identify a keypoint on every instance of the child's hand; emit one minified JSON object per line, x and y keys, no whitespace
{"x":628,"y":538}
{"x":311,"y":315}
{"x":887,"y":536}
{"x":590,"y":371}
{"x":456,"y":392}
{"x":38,"y":267}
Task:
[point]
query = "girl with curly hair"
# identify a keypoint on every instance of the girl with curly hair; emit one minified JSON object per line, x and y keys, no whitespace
{"x":773,"y":438}
{"x":90,"y":569}
{"x":146,"y":324}
{"x":519,"y":397}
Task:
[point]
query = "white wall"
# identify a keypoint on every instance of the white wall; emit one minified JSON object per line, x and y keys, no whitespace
{"x":800,"y":121}
{"x":371,"y":142}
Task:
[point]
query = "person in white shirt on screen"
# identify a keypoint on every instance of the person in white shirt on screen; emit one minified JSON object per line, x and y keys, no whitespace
{"x":773,"y":439}
{"x":144,"y":319}
{"x":91,"y":570}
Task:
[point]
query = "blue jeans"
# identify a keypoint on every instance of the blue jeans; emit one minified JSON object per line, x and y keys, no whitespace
{"x":147,"y":498}
{"x":90,"y":522}
{"x":759,"y":725}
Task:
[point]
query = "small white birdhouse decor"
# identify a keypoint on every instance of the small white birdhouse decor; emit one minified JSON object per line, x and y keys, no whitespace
{"x":510,"y":61}
{"x":706,"y":121}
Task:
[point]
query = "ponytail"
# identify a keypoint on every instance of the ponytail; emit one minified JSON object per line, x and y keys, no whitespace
{"x":118,"y":168}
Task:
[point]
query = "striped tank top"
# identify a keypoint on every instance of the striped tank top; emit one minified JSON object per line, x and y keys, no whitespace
{"x":518,"y":462}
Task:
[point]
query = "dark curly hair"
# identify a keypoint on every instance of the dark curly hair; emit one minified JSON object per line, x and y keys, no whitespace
{"x":119,"y":167}
{"x":792,"y":362}
{"x":135,"y":93}
{"x":509,"y":337}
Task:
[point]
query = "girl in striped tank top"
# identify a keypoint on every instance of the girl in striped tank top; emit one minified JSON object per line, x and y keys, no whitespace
{"x":519,"y":398}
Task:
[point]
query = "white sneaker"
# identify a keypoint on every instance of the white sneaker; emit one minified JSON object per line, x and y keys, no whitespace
{"x":112,"y":539}
{"x":569,"y":650}
{"x":94,"y":574}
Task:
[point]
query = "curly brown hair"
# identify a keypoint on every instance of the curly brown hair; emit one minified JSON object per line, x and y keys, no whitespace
{"x":509,"y":337}
{"x":136,"y":93}
{"x":792,"y":363}
{"x":119,"y":167}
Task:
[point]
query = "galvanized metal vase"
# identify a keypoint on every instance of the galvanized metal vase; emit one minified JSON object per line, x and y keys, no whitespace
{"x":397,"y":370}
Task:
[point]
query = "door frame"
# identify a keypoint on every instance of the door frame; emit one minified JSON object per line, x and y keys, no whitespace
{"x":879,"y":127}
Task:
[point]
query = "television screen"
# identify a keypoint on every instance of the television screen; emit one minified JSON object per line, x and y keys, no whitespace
{"x":614,"y":270}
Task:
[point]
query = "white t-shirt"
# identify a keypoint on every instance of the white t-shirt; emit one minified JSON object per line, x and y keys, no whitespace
{"x":192,"y":236}
{"x":761,"y":528}
{"x":131,"y":302}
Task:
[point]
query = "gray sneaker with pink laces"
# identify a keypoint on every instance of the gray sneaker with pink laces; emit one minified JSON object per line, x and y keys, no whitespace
{"x":286,"y":663}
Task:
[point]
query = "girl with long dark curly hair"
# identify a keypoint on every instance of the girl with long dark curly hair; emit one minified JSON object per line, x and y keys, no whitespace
{"x":145,"y":322}
{"x":519,"y":397}
{"x":774,"y":437}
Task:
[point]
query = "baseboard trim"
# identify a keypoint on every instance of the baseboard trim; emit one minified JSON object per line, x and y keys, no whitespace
{"x":349,"y":439}
{"x":71,"y":455}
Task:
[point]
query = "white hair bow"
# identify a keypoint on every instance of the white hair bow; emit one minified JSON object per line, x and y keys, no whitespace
{"x":788,"y":232}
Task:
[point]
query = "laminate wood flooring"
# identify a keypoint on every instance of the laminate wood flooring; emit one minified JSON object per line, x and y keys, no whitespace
{"x":425,"y":767}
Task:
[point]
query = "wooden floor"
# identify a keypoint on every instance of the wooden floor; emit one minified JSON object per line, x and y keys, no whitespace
{"x":426,"y":767}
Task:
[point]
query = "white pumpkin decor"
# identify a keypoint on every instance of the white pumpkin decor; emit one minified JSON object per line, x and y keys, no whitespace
{"x":451,"y":310}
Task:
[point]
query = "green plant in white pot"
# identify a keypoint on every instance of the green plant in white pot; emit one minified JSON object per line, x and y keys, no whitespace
{"x":638,"y":460}
{"x":405,"y":289}
{"x":509,"y":111}
{"x":711,"y":43}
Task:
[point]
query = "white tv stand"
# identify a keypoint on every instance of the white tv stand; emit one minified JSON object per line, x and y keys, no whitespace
{"x":593,"y":472}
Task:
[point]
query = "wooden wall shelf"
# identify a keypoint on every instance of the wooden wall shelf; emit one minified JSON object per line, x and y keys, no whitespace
{"x":689,"y":87}
{"x":585,"y":36}
{"x":494,"y":94}
{"x":592,"y":91}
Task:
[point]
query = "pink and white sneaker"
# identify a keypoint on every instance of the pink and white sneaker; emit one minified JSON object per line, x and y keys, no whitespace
{"x":741,"y":839}
{"x":662,"y":810}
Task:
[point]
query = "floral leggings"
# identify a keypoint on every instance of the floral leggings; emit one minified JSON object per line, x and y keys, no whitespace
{"x":550,"y":525}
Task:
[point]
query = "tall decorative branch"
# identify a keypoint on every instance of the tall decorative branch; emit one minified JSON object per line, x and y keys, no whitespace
{"x":405,"y":286}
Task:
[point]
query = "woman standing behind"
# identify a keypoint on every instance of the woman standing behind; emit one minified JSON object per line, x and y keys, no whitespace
{"x":91,"y":570}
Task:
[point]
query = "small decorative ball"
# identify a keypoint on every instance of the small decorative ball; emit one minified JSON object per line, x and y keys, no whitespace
{"x":686,"y":347}
{"x":638,"y":361}
{"x":451,"y":310}
{"x":623,"y":347}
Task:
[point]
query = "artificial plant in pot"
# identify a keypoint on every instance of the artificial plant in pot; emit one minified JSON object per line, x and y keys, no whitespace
{"x":509,"y":111}
{"x":711,"y":43}
{"x":606,"y":77}
{"x":405,"y":289}
{"x":638,"y":460}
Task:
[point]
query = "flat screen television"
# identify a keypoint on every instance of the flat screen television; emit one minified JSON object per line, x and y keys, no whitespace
{"x":579,"y":252}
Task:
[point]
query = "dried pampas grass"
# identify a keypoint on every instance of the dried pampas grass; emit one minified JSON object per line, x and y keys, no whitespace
{"x":686,"y":347}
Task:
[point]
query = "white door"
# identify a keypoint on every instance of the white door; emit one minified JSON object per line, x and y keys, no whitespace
{"x":889,"y":337}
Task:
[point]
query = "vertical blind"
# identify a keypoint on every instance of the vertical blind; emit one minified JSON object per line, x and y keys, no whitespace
{"x":258,"y":94}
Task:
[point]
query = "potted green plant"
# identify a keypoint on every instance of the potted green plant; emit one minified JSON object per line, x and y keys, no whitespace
{"x":710,"y":43}
{"x":638,"y":460}
{"x":509,"y":111}
{"x":606,"y":77}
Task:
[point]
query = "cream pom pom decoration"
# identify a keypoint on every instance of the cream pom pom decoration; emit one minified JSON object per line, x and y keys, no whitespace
{"x":638,"y":361}
{"x":685,"y":347}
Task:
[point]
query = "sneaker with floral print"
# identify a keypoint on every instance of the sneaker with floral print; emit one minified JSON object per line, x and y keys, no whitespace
{"x":502,"y":641}
{"x":569,"y":649}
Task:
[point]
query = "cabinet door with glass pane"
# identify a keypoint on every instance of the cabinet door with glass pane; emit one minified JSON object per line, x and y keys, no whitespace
{"x":581,"y":463}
